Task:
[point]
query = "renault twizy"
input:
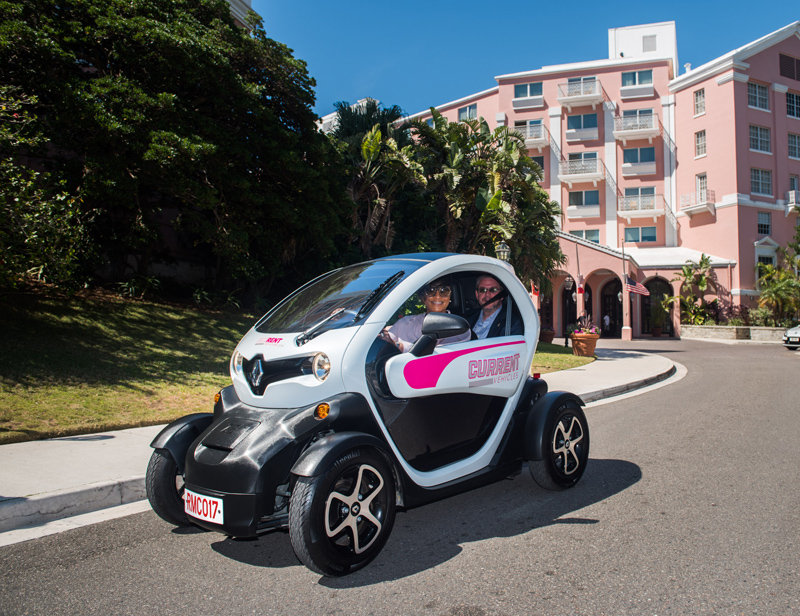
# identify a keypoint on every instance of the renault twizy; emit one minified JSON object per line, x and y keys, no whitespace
{"x":328,"y":428}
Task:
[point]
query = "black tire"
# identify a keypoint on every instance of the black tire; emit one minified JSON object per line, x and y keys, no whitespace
{"x":331,"y":532}
{"x":164,"y":485}
{"x":565,"y":447}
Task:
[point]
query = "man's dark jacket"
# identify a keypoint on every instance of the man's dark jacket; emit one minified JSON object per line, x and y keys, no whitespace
{"x":498,"y":328}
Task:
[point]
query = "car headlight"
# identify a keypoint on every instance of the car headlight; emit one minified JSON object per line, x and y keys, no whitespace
{"x":236,"y":363}
{"x":321,"y":366}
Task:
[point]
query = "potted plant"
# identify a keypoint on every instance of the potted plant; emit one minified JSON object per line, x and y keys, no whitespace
{"x":658,"y":315}
{"x":584,"y":339}
{"x":546,"y":335}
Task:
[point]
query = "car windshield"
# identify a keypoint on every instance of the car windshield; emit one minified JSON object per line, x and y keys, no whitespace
{"x":336,"y":300}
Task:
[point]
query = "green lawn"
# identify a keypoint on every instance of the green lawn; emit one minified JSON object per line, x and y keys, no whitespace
{"x":77,"y":366}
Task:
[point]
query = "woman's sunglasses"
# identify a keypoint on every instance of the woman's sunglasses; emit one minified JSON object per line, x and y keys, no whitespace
{"x":442,"y":290}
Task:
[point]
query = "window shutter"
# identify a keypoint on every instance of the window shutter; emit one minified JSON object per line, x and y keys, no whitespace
{"x":789,"y":67}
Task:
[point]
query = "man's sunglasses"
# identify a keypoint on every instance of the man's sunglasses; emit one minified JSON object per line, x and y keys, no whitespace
{"x":484,"y":290}
{"x":443,"y":290}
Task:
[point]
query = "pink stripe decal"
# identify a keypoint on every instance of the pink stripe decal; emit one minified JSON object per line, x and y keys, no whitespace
{"x":424,"y":372}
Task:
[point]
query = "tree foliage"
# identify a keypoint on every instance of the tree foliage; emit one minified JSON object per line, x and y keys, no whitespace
{"x":154,"y":112}
{"x":485,"y":188}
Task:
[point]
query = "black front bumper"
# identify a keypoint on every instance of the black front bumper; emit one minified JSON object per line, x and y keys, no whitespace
{"x":245,"y":457}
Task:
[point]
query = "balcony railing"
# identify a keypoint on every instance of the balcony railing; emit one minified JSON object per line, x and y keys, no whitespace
{"x":641,"y":206}
{"x":575,"y":94}
{"x":793,"y":197}
{"x":698,"y":202}
{"x":637,"y":127}
{"x":536,"y":135}
{"x":584,"y":170}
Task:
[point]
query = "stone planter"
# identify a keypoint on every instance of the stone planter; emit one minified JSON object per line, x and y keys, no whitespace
{"x":719,"y":332}
{"x":547,"y":336}
{"x":583,"y":344}
{"x":767,"y":334}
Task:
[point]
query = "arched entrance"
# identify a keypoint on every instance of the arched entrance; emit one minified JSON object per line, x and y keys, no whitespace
{"x":658,"y":288}
{"x":569,"y":308}
{"x":611,"y":305}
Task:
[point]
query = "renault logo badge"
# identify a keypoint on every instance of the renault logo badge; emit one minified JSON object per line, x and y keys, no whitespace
{"x":256,"y":372}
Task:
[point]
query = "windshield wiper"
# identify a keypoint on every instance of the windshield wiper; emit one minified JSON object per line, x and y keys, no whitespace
{"x":368,"y":304}
{"x":309,"y":333}
{"x":373,"y":297}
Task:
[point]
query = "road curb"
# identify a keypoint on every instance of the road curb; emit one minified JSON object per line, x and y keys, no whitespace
{"x":22,"y":512}
{"x":602,"y":394}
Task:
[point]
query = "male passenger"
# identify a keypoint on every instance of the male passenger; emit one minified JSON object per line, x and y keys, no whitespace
{"x":490,"y":320}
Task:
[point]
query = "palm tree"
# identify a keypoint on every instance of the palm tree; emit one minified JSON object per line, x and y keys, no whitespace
{"x":485,"y":188}
{"x":353,"y":122}
{"x":381,"y":170}
{"x":780,"y":291}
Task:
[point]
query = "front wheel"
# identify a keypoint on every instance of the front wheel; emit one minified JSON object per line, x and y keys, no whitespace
{"x":164,"y":485}
{"x":565,"y":448}
{"x":340,"y":520}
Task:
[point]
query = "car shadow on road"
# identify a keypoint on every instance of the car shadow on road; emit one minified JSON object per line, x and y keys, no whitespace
{"x":428,"y":536}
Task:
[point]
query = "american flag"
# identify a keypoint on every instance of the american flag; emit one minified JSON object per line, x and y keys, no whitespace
{"x":635,"y":287}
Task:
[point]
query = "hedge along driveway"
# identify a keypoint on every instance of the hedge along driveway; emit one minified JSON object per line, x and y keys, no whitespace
{"x":75,"y":366}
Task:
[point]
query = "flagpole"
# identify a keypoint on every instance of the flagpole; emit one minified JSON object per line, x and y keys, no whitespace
{"x":627,"y":331}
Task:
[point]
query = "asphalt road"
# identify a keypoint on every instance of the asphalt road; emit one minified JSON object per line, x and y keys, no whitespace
{"x":689,"y":505}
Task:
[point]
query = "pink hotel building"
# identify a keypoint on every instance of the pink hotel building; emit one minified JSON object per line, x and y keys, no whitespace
{"x":653,"y":169}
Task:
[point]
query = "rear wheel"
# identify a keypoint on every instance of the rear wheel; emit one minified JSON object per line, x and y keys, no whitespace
{"x":164,"y":485}
{"x":565,"y":448}
{"x":340,"y":520}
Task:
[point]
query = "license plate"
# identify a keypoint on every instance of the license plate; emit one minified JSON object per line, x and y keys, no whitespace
{"x":203,"y":507}
{"x":794,"y":339}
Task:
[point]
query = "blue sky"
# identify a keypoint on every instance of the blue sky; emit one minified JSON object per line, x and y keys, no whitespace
{"x":418,"y":54}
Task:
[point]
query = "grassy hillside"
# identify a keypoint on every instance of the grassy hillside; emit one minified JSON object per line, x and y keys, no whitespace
{"x":77,"y":365}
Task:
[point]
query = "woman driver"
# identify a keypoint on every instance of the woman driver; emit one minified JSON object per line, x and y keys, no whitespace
{"x":436,"y":297}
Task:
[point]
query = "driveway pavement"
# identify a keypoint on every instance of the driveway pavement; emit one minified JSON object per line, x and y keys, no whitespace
{"x":49,"y":480}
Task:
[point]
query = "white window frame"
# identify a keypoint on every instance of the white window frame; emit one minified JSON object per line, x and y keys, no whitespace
{"x":757,"y":94}
{"x":700,"y":144}
{"x":584,"y":234}
{"x":639,"y":235}
{"x":764,"y":223}
{"x":760,"y":139}
{"x":583,"y":194}
{"x":639,"y":154}
{"x":470,"y":112}
{"x":793,"y":105}
{"x":699,"y":102}
{"x":794,"y":146}
{"x":581,"y":116}
{"x":640,"y":78}
{"x":527,"y":87}
{"x":760,"y":178}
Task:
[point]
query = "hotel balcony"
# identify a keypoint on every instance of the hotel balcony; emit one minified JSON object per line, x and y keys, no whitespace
{"x":793,"y":198}
{"x":699,"y":202}
{"x":630,"y":128}
{"x":586,"y":170}
{"x":536,"y":136}
{"x":580,"y":94}
{"x":641,"y":206}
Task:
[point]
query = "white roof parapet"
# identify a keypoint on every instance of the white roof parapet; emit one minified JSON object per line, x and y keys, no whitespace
{"x":733,"y":59}
{"x":673,"y":257}
{"x":583,"y":66}
{"x":459,"y":101}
